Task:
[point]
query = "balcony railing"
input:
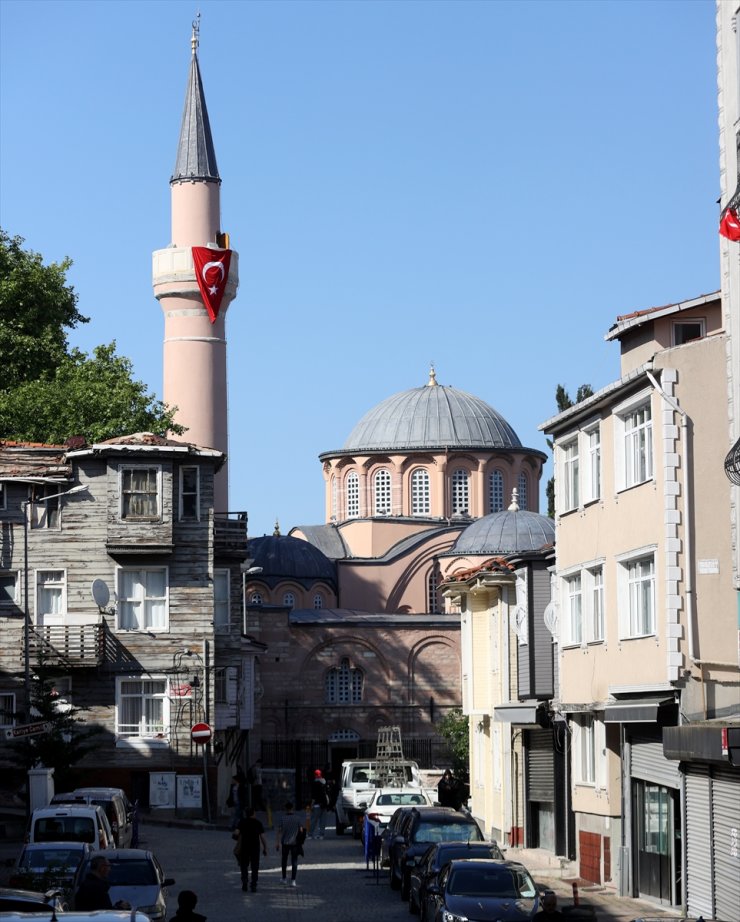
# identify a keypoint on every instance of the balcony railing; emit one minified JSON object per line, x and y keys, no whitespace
{"x":73,"y":645}
{"x":230,"y":534}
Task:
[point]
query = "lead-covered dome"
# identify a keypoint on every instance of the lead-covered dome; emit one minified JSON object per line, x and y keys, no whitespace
{"x":513,"y":531}
{"x":284,"y":557}
{"x":431,"y":417}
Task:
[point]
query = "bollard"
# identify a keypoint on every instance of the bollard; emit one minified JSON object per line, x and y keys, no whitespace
{"x":575,"y":894}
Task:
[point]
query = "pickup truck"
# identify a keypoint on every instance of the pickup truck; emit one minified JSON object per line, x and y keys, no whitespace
{"x":358,"y":777}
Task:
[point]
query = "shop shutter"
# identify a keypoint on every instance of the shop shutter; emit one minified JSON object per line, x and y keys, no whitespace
{"x":649,"y":763}
{"x":725,"y":832}
{"x":698,"y":843}
{"x":540,"y":766}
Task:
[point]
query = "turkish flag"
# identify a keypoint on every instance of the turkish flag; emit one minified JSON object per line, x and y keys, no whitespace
{"x":729,"y":220}
{"x":212,"y":273}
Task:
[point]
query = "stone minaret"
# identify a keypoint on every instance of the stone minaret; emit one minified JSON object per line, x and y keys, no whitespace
{"x":195,"y":348}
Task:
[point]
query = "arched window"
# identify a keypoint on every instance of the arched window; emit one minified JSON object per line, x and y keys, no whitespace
{"x":343,"y":684}
{"x":495,"y":491}
{"x":334,"y":498}
{"x":353,"y":495}
{"x":318,"y":601}
{"x":432,"y":594}
{"x":522,"y":486}
{"x":382,"y":492}
{"x":255,"y":598}
{"x":289,"y":600}
{"x":460,"y":492}
{"x":420,"y":494}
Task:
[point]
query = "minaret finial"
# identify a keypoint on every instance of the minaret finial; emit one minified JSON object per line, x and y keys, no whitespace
{"x":276,"y":532}
{"x":432,"y":382}
{"x":514,"y":507}
{"x":195,"y":38}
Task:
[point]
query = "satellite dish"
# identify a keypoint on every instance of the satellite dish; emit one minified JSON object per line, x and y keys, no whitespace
{"x":100,"y":592}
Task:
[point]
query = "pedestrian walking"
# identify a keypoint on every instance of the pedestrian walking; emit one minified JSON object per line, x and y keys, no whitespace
{"x":187,"y":900}
{"x":446,"y":790}
{"x":93,"y":892}
{"x":254,"y":777}
{"x":252,"y":839}
{"x":237,"y":798}
{"x":290,"y":836}
{"x":319,"y":804}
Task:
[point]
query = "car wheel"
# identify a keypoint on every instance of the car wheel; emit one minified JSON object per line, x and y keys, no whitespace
{"x":413,"y":908}
{"x":395,"y":882}
{"x":405,"y":885}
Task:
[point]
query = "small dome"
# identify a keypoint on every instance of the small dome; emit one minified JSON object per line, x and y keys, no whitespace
{"x":431,"y":417}
{"x":289,"y":558}
{"x":503,"y":533}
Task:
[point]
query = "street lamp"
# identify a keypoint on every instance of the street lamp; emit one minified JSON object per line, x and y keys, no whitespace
{"x":78,"y":488}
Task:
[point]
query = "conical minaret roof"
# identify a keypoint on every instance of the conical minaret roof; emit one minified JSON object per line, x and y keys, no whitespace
{"x":196,"y":156}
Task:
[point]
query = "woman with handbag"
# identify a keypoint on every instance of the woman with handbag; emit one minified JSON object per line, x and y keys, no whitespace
{"x":290,"y":837}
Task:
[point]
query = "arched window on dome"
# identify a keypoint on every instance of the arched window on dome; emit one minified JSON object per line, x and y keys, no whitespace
{"x":460,"y":492}
{"x":495,"y":491}
{"x":318,"y":601}
{"x":420,"y":492}
{"x":289,"y":600}
{"x":353,"y":495}
{"x":382,"y":492}
{"x":522,"y":486}
{"x":256,"y":599}
{"x":343,"y":684}
{"x":334,"y":498}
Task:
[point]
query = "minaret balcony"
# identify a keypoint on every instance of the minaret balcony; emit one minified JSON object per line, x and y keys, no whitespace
{"x":173,"y":273}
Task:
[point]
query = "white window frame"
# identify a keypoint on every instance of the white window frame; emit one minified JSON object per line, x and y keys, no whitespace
{"x":573,"y":609}
{"x":631,"y":586}
{"x":146,"y":693}
{"x":15,"y":600}
{"x":689,"y":321}
{"x":592,"y":467}
{"x":221,"y":599}
{"x":124,"y":469}
{"x":51,"y":585}
{"x":352,"y":488}
{"x":496,"y":491}
{"x":144,"y":601}
{"x":421,"y":494}
{"x":460,"y":491}
{"x":182,"y":494}
{"x":595,"y":599}
{"x":42,"y":512}
{"x":570,"y":468}
{"x":634,"y":452}
{"x":584,"y":769}
{"x":7,"y":707}
{"x":382,"y":491}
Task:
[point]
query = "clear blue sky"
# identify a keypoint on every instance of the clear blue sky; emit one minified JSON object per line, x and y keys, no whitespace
{"x":482,"y":184}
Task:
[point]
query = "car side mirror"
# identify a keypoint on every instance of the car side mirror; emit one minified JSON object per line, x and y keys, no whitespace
{"x":398,"y":840}
{"x":168,"y":882}
{"x":433,"y":889}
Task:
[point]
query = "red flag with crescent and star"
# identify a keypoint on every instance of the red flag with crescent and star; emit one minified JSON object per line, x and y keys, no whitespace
{"x":212,"y":273}
{"x":729,"y":220}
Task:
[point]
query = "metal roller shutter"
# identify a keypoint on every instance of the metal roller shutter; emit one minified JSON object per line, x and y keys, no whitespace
{"x":725,"y":830}
{"x":698,"y":843}
{"x":540,"y":766}
{"x":649,"y":763}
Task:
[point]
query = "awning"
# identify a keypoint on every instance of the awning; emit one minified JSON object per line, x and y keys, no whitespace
{"x":706,"y":741}
{"x":638,"y":710}
{"x":522,"y":713}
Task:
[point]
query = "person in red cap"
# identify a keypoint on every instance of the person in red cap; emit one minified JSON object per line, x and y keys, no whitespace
{"x":319,"y":803}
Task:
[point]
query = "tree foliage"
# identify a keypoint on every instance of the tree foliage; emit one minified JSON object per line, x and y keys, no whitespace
{"x":49,"y":393}
{"x":454,"y":729}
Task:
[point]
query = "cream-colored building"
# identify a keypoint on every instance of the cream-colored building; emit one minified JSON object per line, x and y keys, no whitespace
{"x":647,"y":623}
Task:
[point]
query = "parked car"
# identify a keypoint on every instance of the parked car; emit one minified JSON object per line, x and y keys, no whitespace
{"x":136,"y":877}
{"x":390,"y":832}
{"x":434,"y":859}
{"x":382,"y":803}
{"x":43,"y":866}
{"x":118,"y":808}
{"x":100,"y":915}
{"x":420,"y":828}
{"x":483,"y":889}
{"x":358,"y":777}
{"x":25,"y":901}
{"x":71,"y":823}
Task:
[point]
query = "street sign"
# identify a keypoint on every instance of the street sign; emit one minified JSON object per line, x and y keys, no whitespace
{"x":201,"y":733}
{"x":23,"y":730}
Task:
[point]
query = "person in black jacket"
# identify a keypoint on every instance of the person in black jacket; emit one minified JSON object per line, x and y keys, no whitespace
{"x":186,"y":903}
{"x":93,"y":891}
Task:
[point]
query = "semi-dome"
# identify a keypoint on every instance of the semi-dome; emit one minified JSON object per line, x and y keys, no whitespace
{"x":513,"y":531}
{"x":431,"y":417}
{"x":283,"y":557}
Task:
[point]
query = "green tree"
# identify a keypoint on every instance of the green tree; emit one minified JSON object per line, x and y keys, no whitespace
{"x":48,"y":392}
{"x":454,"y":729}
{"x":563,"y":401}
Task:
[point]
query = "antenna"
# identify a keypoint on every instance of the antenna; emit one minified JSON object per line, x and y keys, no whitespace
{"x":101,"y":595}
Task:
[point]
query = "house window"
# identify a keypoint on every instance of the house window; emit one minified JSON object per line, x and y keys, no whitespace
{"x":585,"y":752}
{"x":495,"y":491}
{"x":574,"y":608}
{"x":382,"y":492}
{"x":256,"y":598}
{"x":638,"y":445}
{"x":460,"y":492}
{"x":221,"y":600}
{"x":523,"y":495}
{"x":640,"y":574}
{"x":226,"y":685}
{"x":51,"y":594}
{"x":344,"y":684}
{"x":570,"y":475}
{"x":140,"y":492}
{"x":7,"y":710}
{"x":142,"y":707}
{"x":686,"y":330}
{"x":353,"y":495}
{"x":42,"y":512}
{"x":289,"y":600}
{"x":8,"y":588}
{"x":142,"y":599}
{"x":420,"y":493}
{"x":318,"y":601}
{"x":432,"y":593}
{"x":190,"y":493}
{"x":596,"y":613}
{"x":593,"y":464}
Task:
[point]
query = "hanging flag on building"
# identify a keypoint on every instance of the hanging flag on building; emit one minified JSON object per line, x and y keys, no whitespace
{"x":729,"y":220}
{"x":212,"y":273}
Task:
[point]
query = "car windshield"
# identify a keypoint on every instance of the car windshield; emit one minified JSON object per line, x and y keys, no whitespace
{"x":65,"y":829}
{"x":398,"y":799}
{"x":502,"y":883}
{"x":450,"y":853}
{"x":135,"y":873}
{"x":429,"y":831}
{"x":39,"y":859}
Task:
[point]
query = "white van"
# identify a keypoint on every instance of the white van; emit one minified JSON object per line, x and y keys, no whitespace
{"x":360,"y":776}
{"x":71,"y":823}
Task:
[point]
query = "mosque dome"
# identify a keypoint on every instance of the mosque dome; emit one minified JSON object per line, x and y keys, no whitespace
{"x":283,"y":557}
{"x":431,"y":417}
{"x":512,"y":531}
